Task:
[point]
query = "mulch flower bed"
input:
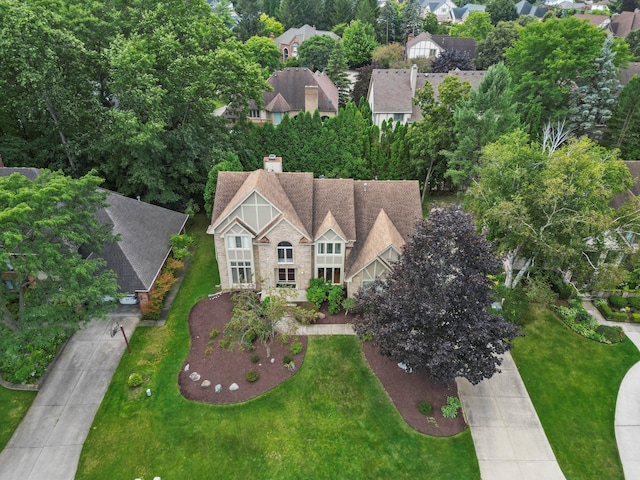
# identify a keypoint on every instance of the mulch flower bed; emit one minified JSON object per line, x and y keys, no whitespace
{"x":222,"y":366}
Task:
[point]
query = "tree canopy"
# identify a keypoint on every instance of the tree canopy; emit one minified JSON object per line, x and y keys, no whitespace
{"x":433,"y":310}
{"x":314,"y":52}
{"x":549,"y":204}
{"x":358,"y":41}
{"x":46,"y":224}
{"x":477,"y":25}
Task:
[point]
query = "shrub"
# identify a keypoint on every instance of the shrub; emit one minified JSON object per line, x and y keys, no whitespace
{"x":252,"y":376}
{"x":348,"y":303}
{"x":214,"y":333}
{"x":286,"y":359}
{"x":180,"y":246}
{"x":305,"y":316}
{"x":618,"y":316}
{"x":564,"y":290}
{"x":134,"y":380}
{"x":635,"y":317}
{"x":367,"y":337}
{"x":336,"y":294}
{"x":250,"y":337}
{"x":173,"y":266}
{"x":424,"y":408}
{"x":290,"y":366}
{"x":225,"y":342}
{"x":616,"y":301}
{"x":296,"y":347}
{"x":450,"y":410}
{"x":604,"y":309}
{"x":317,"y":291}
{"x":611,"y":334}
{"x":255,"y":358}
{"x":539,"y":291}
{"x":284,"y":339}
{"x":152,"y":309}
{"x":634,"y":302}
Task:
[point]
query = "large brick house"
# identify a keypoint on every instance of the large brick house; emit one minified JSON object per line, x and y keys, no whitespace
{"x":279,"y":229}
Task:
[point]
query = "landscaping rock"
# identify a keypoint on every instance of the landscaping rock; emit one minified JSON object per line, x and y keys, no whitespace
{"x":404,"y":367}
{"x":206,"y":384}
{"x":186,"y":367}
{"x":218,"y":388}
{"x":195,"y":376}
{"x":234,"y":387}
{"x":273,"y":360}
{"x":321,"y":316}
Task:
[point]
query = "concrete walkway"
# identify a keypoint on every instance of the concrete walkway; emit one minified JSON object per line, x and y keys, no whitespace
{"x":47,"y":443}
{"x":627,"y":420}
{"x":509,"y":439}
{"x":290,"y":326}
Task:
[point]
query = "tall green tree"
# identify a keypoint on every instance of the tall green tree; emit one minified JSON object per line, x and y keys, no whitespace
{"x":337,"y":72}
{"x":545,"y":61}
{"x":249,"y":24}
{"x":633,"y":40}
{"x":264,"y":52}
{"x":549,"y":205}
{"x":488,"y":113}
{"x":314,"y":52}
{"x":223,"y":10}
{"x":45,"y":222}
{"x":358,"y":41}
{"x":410,"y":19}
{"x":390,"y":22}
{"x":491,"y":50}
{"x":477,"y":25}
{"x":343,"y":12}
{"x":231,"y":163}
{"x":502,"y":11}
{"x":429,"y":137}
{"x":623,"y":129}
{"x":367,"y":11}
{"x":591,"y":102}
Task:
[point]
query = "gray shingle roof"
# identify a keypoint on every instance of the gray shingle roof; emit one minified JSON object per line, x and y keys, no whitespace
{"x":629,"y":72}
{"x":303,"y":33}
{"x":624,"y":23}
{"x":144,"y":231}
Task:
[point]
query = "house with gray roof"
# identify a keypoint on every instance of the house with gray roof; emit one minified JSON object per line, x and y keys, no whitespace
{"x":144,"y":230}
{"x":296,"y":90}
{"x":440,"y":8}
{"x":525,"y":8}
{"x":280,"y":229}
{"x":460,"y":14}
{"x":391,"y":91}
{"x":290,"y":40}
{"x":427,"y":45}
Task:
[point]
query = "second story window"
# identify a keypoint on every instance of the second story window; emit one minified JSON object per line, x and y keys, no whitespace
{"x":285,"y":252}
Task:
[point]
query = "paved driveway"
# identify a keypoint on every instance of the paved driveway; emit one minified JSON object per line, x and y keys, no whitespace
{"x":47,"y":443}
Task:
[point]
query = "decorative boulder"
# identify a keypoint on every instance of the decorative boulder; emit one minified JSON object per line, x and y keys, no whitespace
{"x":195,"y":376}
{"x":273,"y":360}
{"x":321,"y":316}
{"x":234,"y":387}
{"x":186,"y":367}
{"x":205,"y":384}
{"x":218,"y":388}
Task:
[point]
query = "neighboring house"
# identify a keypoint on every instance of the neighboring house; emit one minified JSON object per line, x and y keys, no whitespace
{"x":622,"y":24}
{"x":441,"y":9}
{"x":599,"y":7}
{"x":391,"y":91}
{"x":525,"y":8}
{"x":275,"y":229}
{"x":290,"y":40}
{"x":628,"y":73}
{"x":296,"y":90}
{"x":427,"y":45}
{"x":144,"y":230}
{"x":600,"y":21}
{"x":460,"y":14}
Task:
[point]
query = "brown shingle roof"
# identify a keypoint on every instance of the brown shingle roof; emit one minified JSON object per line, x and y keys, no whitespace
{"x":400,"y":199}
{"x":624,"y":23}
{"x":334,"y":195}
{"x":278,"y":104}
{"x":290,"y":83}
{"x":382,"y":235}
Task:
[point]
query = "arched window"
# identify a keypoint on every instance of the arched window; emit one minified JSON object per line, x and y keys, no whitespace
{"x":285,"y":53}
{"x":285,"y":252}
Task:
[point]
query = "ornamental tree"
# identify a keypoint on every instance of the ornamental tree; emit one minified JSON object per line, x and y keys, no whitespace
{"x":45,"y":223}
{"x":433,"y":310}
{"x":358,"y":41}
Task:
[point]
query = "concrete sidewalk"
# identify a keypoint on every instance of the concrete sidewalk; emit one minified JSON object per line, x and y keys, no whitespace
{"x":627,"y":420}
{"x":47,"y":443}
{"x":290,"y":326}
{"x":509,"y":439}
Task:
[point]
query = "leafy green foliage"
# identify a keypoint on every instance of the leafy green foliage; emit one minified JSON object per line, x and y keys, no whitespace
{"x":450,"y":410}
{"x":491,"y":50}
{"x":581,"y":322}
{"x":618,"y":302}
{"x":477,"y":25}
{"x":623,"y":129}
{"x":314,"y":52}
{"x":296,"y":348}
{"x":229,"y":164}
{"x":358,"y":41}
{"x":502,"y":11}
{"x":612,"y":335}
{"x":286,"y":359}
{"x":252,"y":376}
{"x":337,"y":72}
{"x":335,"y":297}
{"x":134,"y":380}
{"x":180,"y":244}
{"x":318,"y":291}
{"x":424,"y":408}
{"x":255,"y":358}
{"x":264,"y":52}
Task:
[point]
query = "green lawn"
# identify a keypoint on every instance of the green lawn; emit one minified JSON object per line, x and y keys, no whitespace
{"x":14,"y":406}
{"x":573,"y":383}
{"x":331,"y":420}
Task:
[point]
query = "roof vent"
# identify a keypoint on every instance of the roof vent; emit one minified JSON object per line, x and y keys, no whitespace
{"x":272,"y":157}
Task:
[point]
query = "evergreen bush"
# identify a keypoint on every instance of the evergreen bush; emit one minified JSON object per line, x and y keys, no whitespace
{"x":616,"y":301}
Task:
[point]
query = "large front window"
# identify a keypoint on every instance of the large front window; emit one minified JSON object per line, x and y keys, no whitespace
{"x":241,"y":272}
{"x":286,"y":277}
{"x":330,"y":257}
{"x":240,"y":256}
{"x":330,"y":274}
{"x":285,"y":252}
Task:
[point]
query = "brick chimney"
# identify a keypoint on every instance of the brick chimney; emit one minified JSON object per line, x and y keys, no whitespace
{"x":414,"y":79}
{"x":273,"y":163}
{"x":310,"y":98}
